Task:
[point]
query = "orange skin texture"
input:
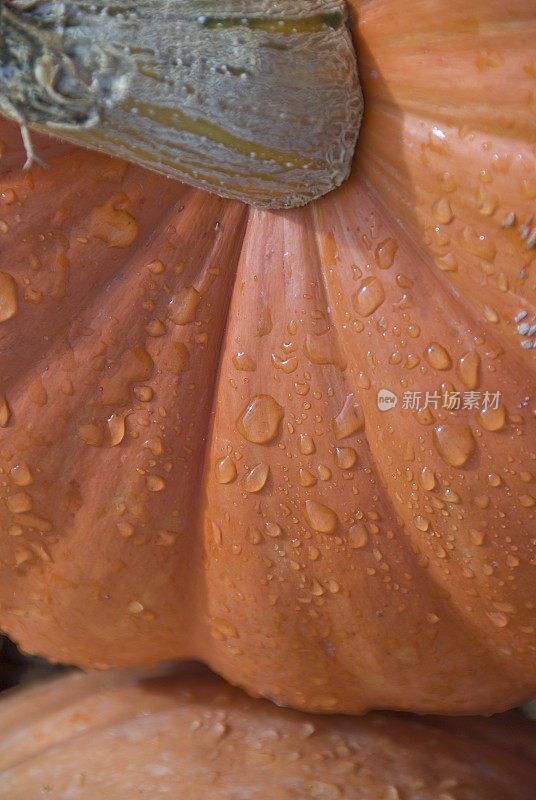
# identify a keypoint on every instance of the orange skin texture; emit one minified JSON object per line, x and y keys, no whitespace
{"x":397,"y":573}
{"x":188,"y":734}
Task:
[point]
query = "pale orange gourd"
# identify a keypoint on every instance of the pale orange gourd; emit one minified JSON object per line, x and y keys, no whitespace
{"x":193,"y":459}
{"x":187,"y":734}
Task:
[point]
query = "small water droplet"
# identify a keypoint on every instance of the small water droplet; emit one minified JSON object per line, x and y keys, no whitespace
{"x":455,"y":444}
{"x":369,"y":296}
{"x":116,"y":429}
{"x":5,"y":412}
{"x":273,"y":529}
{"x":427,"y":479}
{"x":346,"y":457}
{"x":320,"y":517}
{"x":324,"y":473}
{"x":307,"y":445}
{"x":112,"y":225}
{"x":19,"y":503}
{"x":468,"y":369}
{"x":499,"y":619}
{"x":244,"y":362}
{"x":421,"y":523}
{"x":8,"y":297}
{"x":493,"y":419}
{"x":287,"y":365}
{"x":306,"y":478}
{"x":256,"y":478}
{"x":442,"y":211}
{"x":259,"y":422}
{"x":225,"y":470}
{"x":91,"y":433}
{"x":184,"y":305}
{"x":385,"y":253}
{"x":21,"y":475}
{"x":358,"y":536}
{"x":155,"y":483}
{"x":437,"y":356}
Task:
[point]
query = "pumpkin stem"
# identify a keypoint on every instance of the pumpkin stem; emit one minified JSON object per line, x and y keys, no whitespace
{"x":251,"y":99}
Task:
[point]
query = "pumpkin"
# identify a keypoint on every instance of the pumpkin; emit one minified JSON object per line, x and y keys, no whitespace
{"x":200,"y":454}
{"x":191,"y":735}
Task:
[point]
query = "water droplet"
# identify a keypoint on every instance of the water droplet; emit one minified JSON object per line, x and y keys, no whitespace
{"x":126,"y":529}
{"x":468,"y":369}
{"x":323,"y":349}
{"x":455,"y":445}
{"x":307,"y":445}
{"x":442,"y":211}
{"x":19,"y":503}
{"x":349,"y":420}
{"x":437,"y":356}
{"x":287,"y":365}
{"x":253,"y":535}
{"x":91,"y":434}
{"x":427,"y":479}
{"x":222,"y":629}
{"x":320,"y":517}
{"x":116,"y":429}
{"x":155,"y":328}
{"x":493,"y":419}
{"x":265,"y":324}
{"x":5,"y":411}
{"x":478,"y":244}
{"x":368,"y":297}
{"x":490,"y":314}
{"x":143,"y":393}
{"x":421,"y":523}
{"x":385,"y":253}
{"x":306,"y":478}
{"x":135,"y":607}
{"x":527,"y":500}
{"x":112,"y":225}
{"x":358,"y":536}
{"x":346,"y":457}
{"x":184,"y":305}
{"x":494,"y":479}
{"x":225,"y":470}
{"x":8,"y":297}
{"x":259,"y":422}
{"x":256,"y":478}
{"x":21,"y":475}
{"x":244,"y":362}
{"x":155,"y":483}
{"x":499,"y":619}
{"x":324,"y":473}
{"x":273,"y":529}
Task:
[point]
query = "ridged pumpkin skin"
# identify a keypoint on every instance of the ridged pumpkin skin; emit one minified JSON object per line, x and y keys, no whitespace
{"x":194,"y":462}
{"x":188,"y":735}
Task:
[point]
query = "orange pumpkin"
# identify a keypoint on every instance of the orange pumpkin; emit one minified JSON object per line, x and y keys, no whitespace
{"x":191,"y":735}
{"x":194,"y":462}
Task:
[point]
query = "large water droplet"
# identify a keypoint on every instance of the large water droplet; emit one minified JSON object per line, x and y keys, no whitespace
{"x":455,"y":445}
{"x":21,"y":475}
{"x":320,"y":517}
{"x":427,"y":479}
{"x":259,"y":422}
